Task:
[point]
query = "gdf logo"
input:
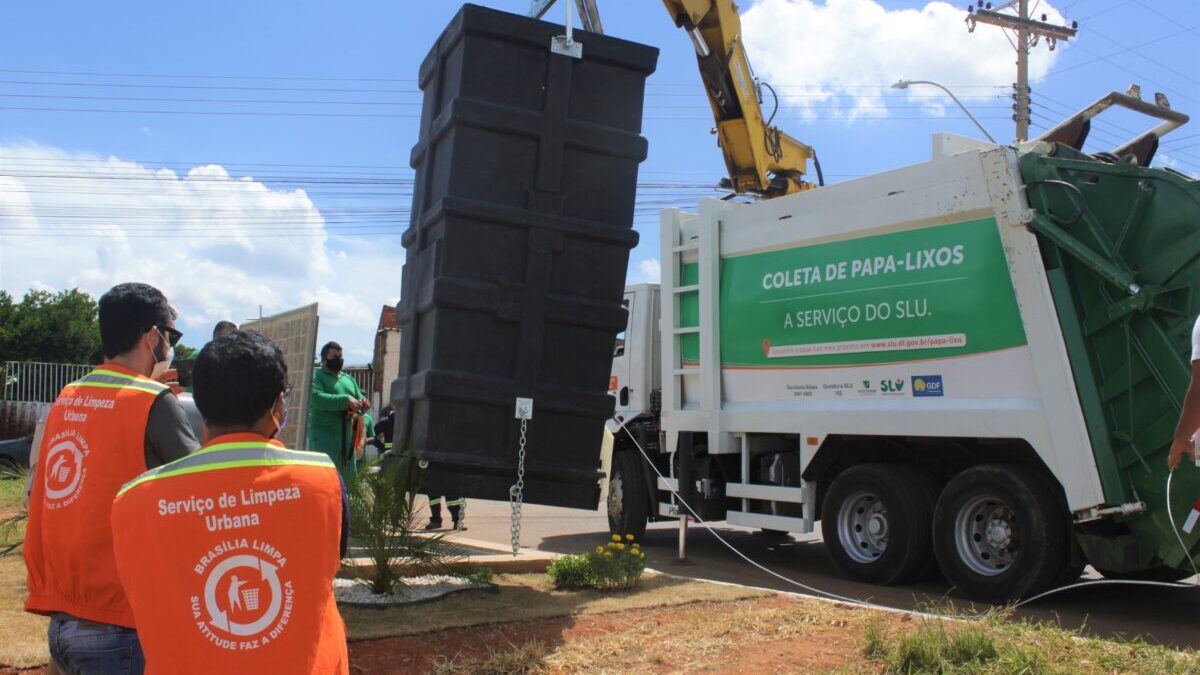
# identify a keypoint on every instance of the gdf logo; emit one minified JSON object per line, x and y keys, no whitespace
{"x":245,"y":604}
{"x":65,"y":469}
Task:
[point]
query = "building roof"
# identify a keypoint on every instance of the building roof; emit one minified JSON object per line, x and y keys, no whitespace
{"x":387,"y":318}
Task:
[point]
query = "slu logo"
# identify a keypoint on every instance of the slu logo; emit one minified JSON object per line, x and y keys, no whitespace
{"x":927,"y":385}
{"x":895,"y":386}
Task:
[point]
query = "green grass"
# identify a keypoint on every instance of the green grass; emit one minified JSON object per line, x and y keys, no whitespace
{"x":10,"y":494}
{"x":998,"y":645}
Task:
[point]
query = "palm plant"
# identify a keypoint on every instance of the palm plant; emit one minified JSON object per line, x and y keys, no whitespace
{"x":12,"y":528}
{"x":386,"y":524}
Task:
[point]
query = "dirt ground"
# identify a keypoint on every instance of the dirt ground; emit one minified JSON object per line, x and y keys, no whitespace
{"x":654,"y":640}
{"x":659,"y":641}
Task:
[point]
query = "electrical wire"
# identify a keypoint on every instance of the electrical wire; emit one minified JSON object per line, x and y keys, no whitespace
{"x":731,"y":547}
{"x":865,"y":603}
{"x":1134,"y":582}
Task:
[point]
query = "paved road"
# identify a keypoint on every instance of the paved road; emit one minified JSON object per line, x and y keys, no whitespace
{"x":1159,"y":615}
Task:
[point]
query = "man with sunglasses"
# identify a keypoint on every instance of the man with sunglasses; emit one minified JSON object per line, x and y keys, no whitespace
{"x":102,"y":431}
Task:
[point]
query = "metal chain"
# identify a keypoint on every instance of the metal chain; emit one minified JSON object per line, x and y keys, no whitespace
{"x":516,"y":493}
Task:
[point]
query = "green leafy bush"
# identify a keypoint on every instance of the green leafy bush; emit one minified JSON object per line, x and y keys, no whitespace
{"x":619,"y":564}
{"x":386,"y":524}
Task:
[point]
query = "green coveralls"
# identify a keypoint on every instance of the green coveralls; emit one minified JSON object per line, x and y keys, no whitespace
{"x":327,"y":419}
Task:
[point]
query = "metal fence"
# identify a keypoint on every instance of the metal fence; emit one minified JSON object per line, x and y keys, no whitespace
{"x":364,"y":376}
{"x":38,"y":382}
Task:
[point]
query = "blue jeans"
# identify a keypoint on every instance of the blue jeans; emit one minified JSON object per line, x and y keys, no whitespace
{"x":81,"y":647}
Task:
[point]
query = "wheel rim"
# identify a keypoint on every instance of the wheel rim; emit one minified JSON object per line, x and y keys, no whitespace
{"x":986,"y":535}
{"x":616,"y":494}
{"x":863,"y":527}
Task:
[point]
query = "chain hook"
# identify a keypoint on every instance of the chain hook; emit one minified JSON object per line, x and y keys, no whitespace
{"x":516,"y":493}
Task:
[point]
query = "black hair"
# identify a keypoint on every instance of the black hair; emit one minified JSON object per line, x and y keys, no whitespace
{"x":223,"y":328}
{"x":329,"y":345}
{"x":126,"y":312}
{"x":237,"y":378}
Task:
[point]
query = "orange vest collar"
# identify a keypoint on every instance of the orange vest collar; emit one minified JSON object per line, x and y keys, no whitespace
{"x":120,"y":369}
{"x":243,"y":437}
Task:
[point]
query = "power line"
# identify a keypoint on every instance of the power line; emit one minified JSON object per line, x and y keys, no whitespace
{"x":1100,"y":126}
{"x":1066,"y":69}
{"x":206,"y":77}
{"x":413,"y":104}
{"x":1028,"y":32}
{"x":248,"y":113}
{"x":1165,"y":16}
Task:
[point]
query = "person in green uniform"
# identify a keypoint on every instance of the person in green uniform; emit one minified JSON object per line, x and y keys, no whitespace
{"x":335,"y":399}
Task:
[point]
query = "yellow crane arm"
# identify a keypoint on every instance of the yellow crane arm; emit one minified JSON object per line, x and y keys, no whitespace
{"x":760,"y":158}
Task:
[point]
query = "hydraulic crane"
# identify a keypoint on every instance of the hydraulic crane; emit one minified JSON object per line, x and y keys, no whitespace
{"x":760,"y":159}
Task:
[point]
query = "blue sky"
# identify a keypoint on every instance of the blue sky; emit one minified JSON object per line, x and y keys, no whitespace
{"x":343,"y":75}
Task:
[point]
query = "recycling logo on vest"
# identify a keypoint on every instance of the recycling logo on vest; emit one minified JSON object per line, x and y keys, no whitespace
{"x":65,"y":469}
{"x":245,"y":602}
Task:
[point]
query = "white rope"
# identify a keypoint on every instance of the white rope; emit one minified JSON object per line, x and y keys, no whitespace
{"x":731,"y":547}
{"x":864,"y":603}
{"x":1135,"y":582}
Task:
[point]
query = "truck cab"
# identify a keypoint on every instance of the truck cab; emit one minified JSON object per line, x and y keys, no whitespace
{"x":636,"y":369}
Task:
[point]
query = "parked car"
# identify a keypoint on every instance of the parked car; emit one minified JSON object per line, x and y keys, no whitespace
{"x":14,"y":452}
{"x":192,"y":412}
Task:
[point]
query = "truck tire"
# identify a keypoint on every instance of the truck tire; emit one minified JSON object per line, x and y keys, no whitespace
{"x":876,"y":521}
{"x":998,"y":533}
{"x":628,"y":509}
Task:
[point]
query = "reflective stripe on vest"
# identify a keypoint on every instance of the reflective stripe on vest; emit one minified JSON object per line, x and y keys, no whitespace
{"x":92,"y":444}
{"x":111,"y":379}
{"x":228,"y":557}
{"x":231,"y":456}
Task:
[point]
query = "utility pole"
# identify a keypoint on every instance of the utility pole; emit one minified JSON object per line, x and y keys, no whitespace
{"x":1021,"y":91}
{"x":1028,"y":32}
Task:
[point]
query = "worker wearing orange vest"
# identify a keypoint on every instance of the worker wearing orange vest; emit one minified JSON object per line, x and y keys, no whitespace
{"x":101,"y":432}
{"x":228,"y":555}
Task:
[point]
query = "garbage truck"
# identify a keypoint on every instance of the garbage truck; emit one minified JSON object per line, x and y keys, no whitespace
{"x":974,"y":364}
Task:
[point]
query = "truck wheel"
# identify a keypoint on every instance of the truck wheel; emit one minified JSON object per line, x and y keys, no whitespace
{"x":998,"y":533}
{"x":628,"y":509}
{"x":875,"y":520}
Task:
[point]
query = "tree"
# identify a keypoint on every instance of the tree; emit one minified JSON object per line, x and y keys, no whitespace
{"x":184,"y":352}
{"x":50,"y":327}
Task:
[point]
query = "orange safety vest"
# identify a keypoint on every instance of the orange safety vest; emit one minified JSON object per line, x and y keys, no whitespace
{"x":228,"y":557}
{"x":94,"y":442}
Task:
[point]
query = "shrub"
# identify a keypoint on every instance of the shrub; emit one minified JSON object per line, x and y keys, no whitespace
{"x":619,"y":564}
{"x":385,"y":522}
{"x":12,"y":528}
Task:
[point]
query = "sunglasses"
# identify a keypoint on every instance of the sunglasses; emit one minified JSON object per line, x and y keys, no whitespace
{"x":173,"y":336}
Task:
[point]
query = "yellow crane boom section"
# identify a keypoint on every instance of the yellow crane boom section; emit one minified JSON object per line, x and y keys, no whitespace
{"x":760,"y":158}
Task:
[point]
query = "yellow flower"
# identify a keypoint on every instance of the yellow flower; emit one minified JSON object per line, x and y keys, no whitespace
{"x":636,"y":546}
{"x":619,"y":547}
{"x":612,"y":544}
{"x":608,"y":554}
{"x":629,"y":537}
{"x":599,"y":549}
{"x":616,"y":537}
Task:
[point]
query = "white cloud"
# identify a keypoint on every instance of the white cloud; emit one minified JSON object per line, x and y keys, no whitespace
{"x":1167,"y":160}
{"x":647,"y":271}
{"x":847,"y":52}
{"x":217,"y":262}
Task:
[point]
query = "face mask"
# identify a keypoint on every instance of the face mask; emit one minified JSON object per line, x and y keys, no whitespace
{"x":334,"y":364}
{"x":282,"y":423}
{"x":163,"y":366}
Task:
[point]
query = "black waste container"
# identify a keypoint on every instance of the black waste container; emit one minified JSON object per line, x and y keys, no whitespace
{"x":526,"y":171}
